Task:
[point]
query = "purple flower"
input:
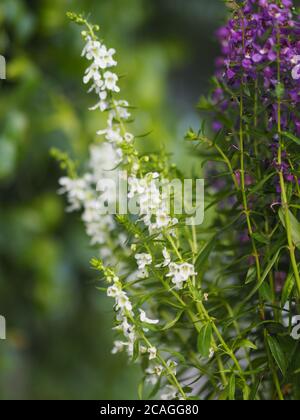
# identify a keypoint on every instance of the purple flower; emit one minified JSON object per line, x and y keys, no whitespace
{"x":217,"y":126}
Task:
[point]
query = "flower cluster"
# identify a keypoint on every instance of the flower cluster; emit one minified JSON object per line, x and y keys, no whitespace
{"x":125,"y":316}
{"x":180,"y":273}
{"x":117,"y":149}
{"x":83,"y":195}
{"x":142,"y":261}
{"x":221,"y":344}
{"x":259,"y":42}
{"x":152,"y":203}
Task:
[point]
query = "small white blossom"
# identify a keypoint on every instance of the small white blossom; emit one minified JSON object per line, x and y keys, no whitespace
{"x":172,"y":365}
{"x":146,"y":320}
{"x":104,"y":58}
{"x":180,"y":273}
{"x":119,"y":346}
{"x":77,"y":191}
{"x":296,"y":69}
{"x":110,"y":81}
{"x":143,"y":260}
{"x":154,"y":373}
{"x":169,"y":394}
{"x":123,"y":302}
{"x":143,"y":273}
{"x":167,"y":259}
{"x":152,"y":353}
{"x":129,"y":137}
{"x":114,"y":291}
{"x":92,"y":73}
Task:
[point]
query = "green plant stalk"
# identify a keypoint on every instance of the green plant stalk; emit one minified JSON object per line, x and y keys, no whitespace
{"x":172,"y":378}
{"x":243,"y":190}
{"x":220,"y":338}
{"x":203,"y":312}
{"x":259,"y":174}
{"x":285,"y":204}
{"x":273,"y":369}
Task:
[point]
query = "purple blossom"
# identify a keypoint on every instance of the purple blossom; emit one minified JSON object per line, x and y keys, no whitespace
{"x":262,"y":37}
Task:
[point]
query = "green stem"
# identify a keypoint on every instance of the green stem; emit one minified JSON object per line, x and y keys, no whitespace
{"x":243,"y":190}
{"x":284,"y":199}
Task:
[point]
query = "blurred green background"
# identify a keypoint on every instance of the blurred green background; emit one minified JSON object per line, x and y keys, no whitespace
{"x":59,"y":325}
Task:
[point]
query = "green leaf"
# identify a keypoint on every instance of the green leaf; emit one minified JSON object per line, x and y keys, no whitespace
{"x":259,"y":186}
{"x":291,"y":137}
{"x":247,"y":343}
{"x":173,"y":322}
{"x":232,"y":385}
{"x":266,"y":292}
{"x":155,"y":390}
{"x":255,"y":388}
{"x":278,"y":354}
{"x":264,"y":276}
{"x":295,"y":226}
{"x":141,"y":390}
{"x":279,"y":90}
{"x":136,"y":351}
{"x":260,"y":238}
{"x":246,"y":392}
{"x":204,"y":340}
{"x":251,"y":275}
{"x":204,"y":254}
{"x":288,"y":288}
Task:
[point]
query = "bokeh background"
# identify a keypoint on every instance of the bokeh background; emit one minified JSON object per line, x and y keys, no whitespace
{"x":59,"y":325}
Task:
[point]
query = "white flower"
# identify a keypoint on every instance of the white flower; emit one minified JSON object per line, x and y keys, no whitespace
{"x":167,"y":259}
{"x":92,"y":211}
{"x":143,"y":318}
{"x":123,"y":302}
{"x":127,"y":329}
{"x":92,"y":73}
{"x":143,"y":273}
{"x":172,"y":365}
{"x":162,"y":219}
{"x":114,"y":291}
{"x":102,"y":105}
{"x":296,"y":72}
{"x":104,"y":58}
{"x":211,"y":353}
{"x":169,"y":394}
{"x":77,"y":191}
{"x":118,"y":347}
{"x":206,"y":296}
{"x":152,"y":353}
{"x":135,"y":186}
{"x":180,"y":273}
{"x":143,"y":350}
{"x":111,"y":135}
{"x":120,"y":111}
{"x":129,"y":137}
{"x":295,"y":59}
{"x":110,"y":80}
{"x":187,"y":271}
{"x":154,"y":373}
{"x":91,"y":49}
{"x":143,"y":260}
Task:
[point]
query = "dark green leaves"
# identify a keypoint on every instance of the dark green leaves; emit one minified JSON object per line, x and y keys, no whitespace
{"x":292,"y":137}
{"x":204,"y":254}
{"x":295,"y":226}
{"x":204,"y":340}
{"x":277,"y":354}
